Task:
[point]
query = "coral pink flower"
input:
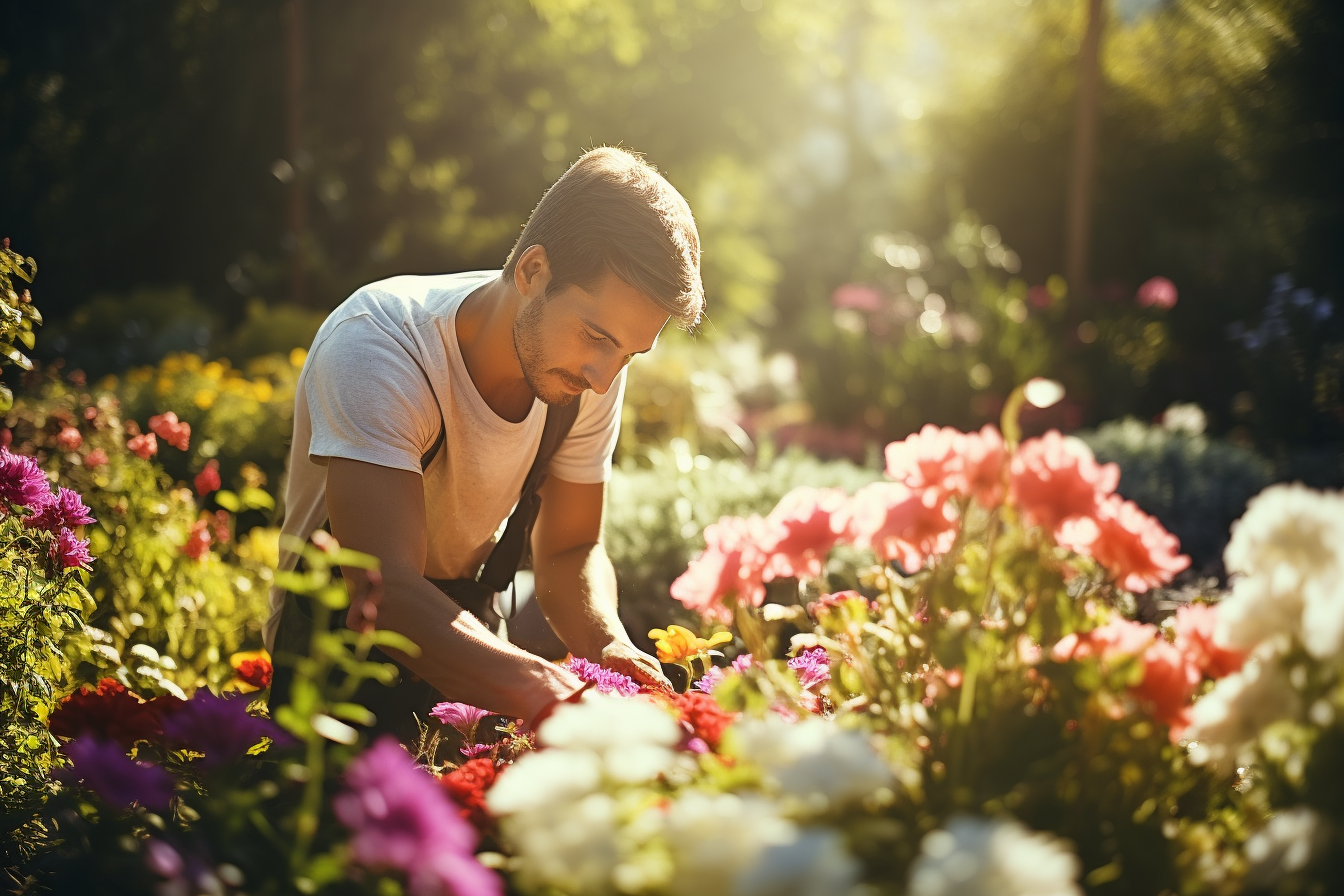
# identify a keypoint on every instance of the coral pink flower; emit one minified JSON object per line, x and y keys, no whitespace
{"x":983,"y":455}
{"x":898,"y":523}
{"x":167,"y":427}
{"x":1159,"y":292}
{"x":1132,"y":545}
{"x":95,"y":458}
{"x":146,"y":445}
{"x":931,"y":458}
{"x":1195,"y":625}
{"x":198,"y":540}
{"x":798,"y":532}
{"x":1169,"y":682}
{"x":857,"y":296}
{"x":731,"y":564}
{"x":69,"y":439}
{"x":1054,"y":478}
{"x":208,"y":480}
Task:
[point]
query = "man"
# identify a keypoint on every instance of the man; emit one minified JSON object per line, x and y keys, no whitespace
{"x":421,"y":407}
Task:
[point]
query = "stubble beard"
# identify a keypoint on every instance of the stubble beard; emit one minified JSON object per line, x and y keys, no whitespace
{"x":527,"y":346}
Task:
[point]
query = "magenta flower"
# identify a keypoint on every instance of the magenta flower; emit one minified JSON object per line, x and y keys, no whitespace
{"x":710,"y":680}
{"x":605,"y":680}
{"x":69,"y":551}
{"x":475,"y":750}
{"x":104,"y":768}
{"x":219,"y":727}
{"x":1159,"y":292}
{"x":22,"y":482}
{"x":812,"y":667}
{"x":401,"y":819}
{"x":65,"y":511}
{"x":462,"y":716}
{"x":742,"y":663}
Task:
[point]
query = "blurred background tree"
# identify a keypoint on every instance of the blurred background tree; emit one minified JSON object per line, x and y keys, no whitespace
{"x":804,"y":133}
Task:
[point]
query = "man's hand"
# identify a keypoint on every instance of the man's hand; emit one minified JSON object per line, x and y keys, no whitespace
{"x":624,"y":657}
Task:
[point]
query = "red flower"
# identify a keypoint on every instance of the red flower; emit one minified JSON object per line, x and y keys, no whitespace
{"x":1132,"y":545}
{"x":110,"y":712}
{"x":146,"y":445}
{"x":69,"y":439}
{"x":1169,"y":682}
{"x":705,"y":718}
{"x":207,"y":480}
{"x":799,"y":533}
{"x":95,"y":458}
{"x":256,"y":672}
{"x":167,"y":427}
{"x":1195,"y":624}
{"x":467,"y":784}
{"x":198,"y":540}
{"x":983,"y":456}
{"x":1054,"y":478}
{"x":897,"y":523}
{"x":731,"y":564}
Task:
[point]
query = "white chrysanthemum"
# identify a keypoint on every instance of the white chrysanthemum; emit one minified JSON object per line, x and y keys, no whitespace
{"x":714,"y":838}
{"x":1288,"y":550}
{"x":1290,"y":843}
{"x":544,"y":778}
{"x":813,"y":759}
{"x":632,"y":739}
{"x":993,"y":857}
{"x":1227,"y":720}
{"x":816,"y":864}
{"x":572,"y":848}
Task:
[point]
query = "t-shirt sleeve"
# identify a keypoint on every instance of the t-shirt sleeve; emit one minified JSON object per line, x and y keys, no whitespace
{"x":368,"y":399}
{"x":585,"y":455}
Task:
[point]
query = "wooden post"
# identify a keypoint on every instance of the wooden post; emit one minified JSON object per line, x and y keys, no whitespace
{"x":1082,"y":166}
{"x":296,"y":211}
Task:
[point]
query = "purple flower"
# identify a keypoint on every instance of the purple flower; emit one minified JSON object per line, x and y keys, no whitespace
{"x":219,"y":727}
{"x":65,"y":511}
{"x":812,"y":667}
{"x":22,"y":482}
{"x":118,"y":780}
{"x":462,"y":716}
{"x":475,"y":750}
{"x":400,"y":818}
{"x":606,"y":681}
{"x":69,"y":551}
{"x":742,"y":663}
{"x":710,"y":680}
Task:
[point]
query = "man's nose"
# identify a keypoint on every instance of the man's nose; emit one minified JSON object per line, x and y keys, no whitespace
{"x":601,"y":374}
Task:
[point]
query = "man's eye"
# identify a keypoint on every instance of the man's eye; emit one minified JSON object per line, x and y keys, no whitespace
{"x":591,"y":337}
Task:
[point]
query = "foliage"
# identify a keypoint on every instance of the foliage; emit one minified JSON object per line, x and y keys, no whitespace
{"x":17,"y":314}
{"x":179,"y":587}
{"x":1196,"y":485}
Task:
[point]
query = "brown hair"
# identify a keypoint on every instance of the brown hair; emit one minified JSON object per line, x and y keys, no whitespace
{"x":613,"y":212}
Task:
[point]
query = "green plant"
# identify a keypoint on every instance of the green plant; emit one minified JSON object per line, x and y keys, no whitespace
{"x":17,"y":314}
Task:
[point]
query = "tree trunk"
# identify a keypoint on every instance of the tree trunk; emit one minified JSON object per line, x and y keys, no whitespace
{"x":1082,"y":167}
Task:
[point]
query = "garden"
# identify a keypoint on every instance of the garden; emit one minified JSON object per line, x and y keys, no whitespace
{"x":981,"y":559}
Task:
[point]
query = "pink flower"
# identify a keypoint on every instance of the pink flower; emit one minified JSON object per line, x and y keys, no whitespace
{"x":144,"y":445}
{"x":897,"y":523}
{"x":462,"y":716}
{"x":198,"y":542}
{"x":812,"y":667}
{"x":22,"y":482}
{"x":1132,"y":545}
{"x":607,"y":681}
{"x":730,"y":565}
{"x":208,"y":480}
{"x":983,"y":456}
{"x":1195,"y":624}
{"x":69,"y":439}
{"x":931,"y":458}
{"x":167,"y":427}
{"x":401,"y":819}
{"x":1169,"y":683}
{"x":66,"y":510}
{"x":1159,"y":292}
{"x":799,"y":533}
{"x":857,"y":296}
{"x":1054,"y":478}
{"x":95,"y":458}
{"x":69,"y":552}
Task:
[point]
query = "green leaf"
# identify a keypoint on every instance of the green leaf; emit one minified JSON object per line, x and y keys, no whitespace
{"x":27,"y":338}
{"x":353,"y":712}
{"x":229,"y":501}
{"x":354,"y":559}
{"x":255,"y":499}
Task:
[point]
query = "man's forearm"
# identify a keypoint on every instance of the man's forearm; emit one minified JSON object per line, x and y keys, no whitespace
{"x":577,"y":593}
{"x":461,"y":657}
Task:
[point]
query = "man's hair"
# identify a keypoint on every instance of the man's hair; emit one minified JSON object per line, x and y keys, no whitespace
{"x":613,"y":212}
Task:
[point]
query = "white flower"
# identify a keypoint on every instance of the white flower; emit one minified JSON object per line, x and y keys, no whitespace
{"x":993,"y":857}
{"x":816,"y":864}
{"x":813,"y":759}
{"x":1290,"y":843}
{"x":632,"y":739}
{"x":572,"y":848}
{"x":544,"y":778}
{"x":1227,"y":720}
{"x":1289,"y":550}
{"x":714,"y":838}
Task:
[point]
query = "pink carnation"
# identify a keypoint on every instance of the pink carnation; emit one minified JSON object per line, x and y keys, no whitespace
{"x":462,"y":716}
{"x":144,"y":445}
{"x":798,"y":532}
{"x":897,"y":523}
{"x":1054,"y":478}
{"x":1132,"y":545}
{"x":1195,"y":624}
{"x":730,"y":565}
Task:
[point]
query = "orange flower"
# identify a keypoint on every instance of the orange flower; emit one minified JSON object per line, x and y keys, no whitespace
{"x":254,"y":671}
{"x":679,"y":645}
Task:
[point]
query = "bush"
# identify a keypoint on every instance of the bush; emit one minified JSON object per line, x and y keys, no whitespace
{"x":1194,"y":484}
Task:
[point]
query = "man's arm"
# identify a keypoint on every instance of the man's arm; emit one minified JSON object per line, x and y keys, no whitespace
{"x":576,"y":585}
{"x":381,"y":511}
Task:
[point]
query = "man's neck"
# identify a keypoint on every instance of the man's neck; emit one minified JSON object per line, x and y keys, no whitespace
{"x":484,"y":327}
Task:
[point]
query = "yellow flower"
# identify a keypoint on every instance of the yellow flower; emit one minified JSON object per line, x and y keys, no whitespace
{"x":297,"y":357}
{"x":678,"y":645}
{"x":204,"y":398}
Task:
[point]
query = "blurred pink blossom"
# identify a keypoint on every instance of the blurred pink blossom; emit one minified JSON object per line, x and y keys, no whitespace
{"x":1159,"y":292}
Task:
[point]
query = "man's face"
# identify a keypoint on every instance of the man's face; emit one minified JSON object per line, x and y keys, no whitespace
{"x":581,"y":339}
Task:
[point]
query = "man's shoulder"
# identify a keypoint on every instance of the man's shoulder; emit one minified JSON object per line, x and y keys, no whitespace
{"x":406,"y":290}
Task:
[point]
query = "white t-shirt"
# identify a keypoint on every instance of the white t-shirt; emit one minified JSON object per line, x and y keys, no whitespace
{"x":365,"y":394}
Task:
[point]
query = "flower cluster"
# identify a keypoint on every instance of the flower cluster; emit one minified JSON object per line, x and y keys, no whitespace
{"x":24,"y":487}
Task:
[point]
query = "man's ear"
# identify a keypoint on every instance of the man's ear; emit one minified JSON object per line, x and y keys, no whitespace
{"x":532,"y":273}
